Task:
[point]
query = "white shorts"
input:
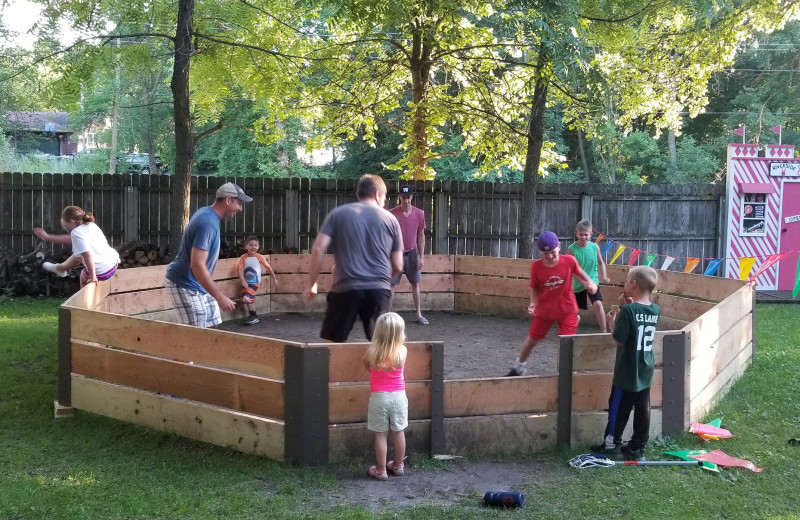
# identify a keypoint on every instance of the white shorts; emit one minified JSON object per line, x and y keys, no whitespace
{"x":387,"y":410}
{"x":194,"y":307}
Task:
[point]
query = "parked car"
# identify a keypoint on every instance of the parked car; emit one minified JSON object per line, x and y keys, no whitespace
{"x":138,"y":163}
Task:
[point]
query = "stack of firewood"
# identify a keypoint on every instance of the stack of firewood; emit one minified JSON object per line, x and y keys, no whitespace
{"x":23,"y":274}
{"x":139,"y":254}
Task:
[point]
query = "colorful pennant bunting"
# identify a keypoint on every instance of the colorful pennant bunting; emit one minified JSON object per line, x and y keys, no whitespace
{"x":769,"y":262}
{"x":617,"y":253}
{"x":608,"y":246}
{"x":691,"y":263}
{"x":712,"y":267}
{"x":667,"y":262}
{"x":600,"y":237}
{"x":745,"y":266}
{"x":634,"y":255}
{"x":651,"y":257}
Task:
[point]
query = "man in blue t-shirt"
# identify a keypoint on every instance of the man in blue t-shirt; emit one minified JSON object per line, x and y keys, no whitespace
{"x":368,"y":251}
{"x":198,"y":299}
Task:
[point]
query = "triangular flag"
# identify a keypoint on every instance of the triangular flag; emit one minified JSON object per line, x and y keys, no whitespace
{"x":745,"y":266}
{"x":739,"y":131}
{"x":667,"y":261}
{"x":650,"y":259}
{"x":608,"y":246}
{"x":634,"y":255}
{"x":776,"y":129}
{"x":600,"y":237}
{"x":691,"y":263}
{"x":617,"y":253}
{"x":796,"y":280}
{"x":769,"y":262}
{"x":723,"y":459}
{"x":712,"y":267}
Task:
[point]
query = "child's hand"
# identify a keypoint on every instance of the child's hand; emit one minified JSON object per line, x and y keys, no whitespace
{"x":244,"y":284}
{"x":591,"y":289}
{"x":531,"y":308}
{"x":606,"y":279}
{"x":624,"y":299}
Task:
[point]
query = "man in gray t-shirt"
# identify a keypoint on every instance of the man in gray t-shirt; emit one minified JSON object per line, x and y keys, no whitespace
{"x":368,"y":251}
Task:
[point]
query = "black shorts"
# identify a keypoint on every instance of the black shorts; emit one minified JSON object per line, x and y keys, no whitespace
{"x":580,"y":297}
{"x":344,"y":307}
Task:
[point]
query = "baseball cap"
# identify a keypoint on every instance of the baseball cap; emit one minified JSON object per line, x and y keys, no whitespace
{"x":230,"y":189}
{"x":406,"y":190}
{"x":548,"y":241}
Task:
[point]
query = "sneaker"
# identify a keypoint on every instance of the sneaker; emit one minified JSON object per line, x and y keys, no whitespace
{"x":422,"y":320}
{"x":51,"y":267}
{"x":377,"y":475}
{"x":636,"y":454}
{"x":516,"y":372}
{"x":397,"y":471}
{"x":251,"y":320}
{"x":614,"y":452}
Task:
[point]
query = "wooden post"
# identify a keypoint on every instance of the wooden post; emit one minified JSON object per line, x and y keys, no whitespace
{"x":130,"y":217}
{"x":675,"y":406}
{"x":291,"y":225}
{"x":564,"y":421}
{"x":437,"y":398}
{"x":441,"y":214}
{"x":306,"y":377}
{"x":586,"y":206}
{"x":63,"y":404}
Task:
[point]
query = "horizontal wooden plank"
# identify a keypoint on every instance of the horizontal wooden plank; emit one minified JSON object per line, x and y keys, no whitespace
{"x":138,"y":278}
{"x":247,"y":393}
{"x":711,"y":288}
{"x":429,"y":282}
{"x":348,"y":403}
{"x":492,"y":286}
{"x":347,"y":365}
{"x":590,"y":391}
{"x":239,"y":431}
{"x":223,"y":349}
{"x":599,"y":351}
{"x":297,"y":264}
{"x":709,"y":362}
{"x":704,"y":400}
{"x":588,"y":427}
{"x":352,"y":442}
{"x":494,"y":305}
{"x":508,"y":267}
{"x":500,"y":435}
{"x":707,"y":328}
{"x":495,"y":396}
{"x":428,"y":301}
{"x":89,"y":297}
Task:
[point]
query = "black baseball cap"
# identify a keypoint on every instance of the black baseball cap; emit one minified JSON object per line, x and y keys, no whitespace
{"x":406,"y":190}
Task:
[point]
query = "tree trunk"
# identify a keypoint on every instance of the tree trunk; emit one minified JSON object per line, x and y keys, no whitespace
{"x":582,"y":151}
{"x":420,"y":65}
{"x":673,"y":150}
{"x":184,"y":138}
{"x":532,"y":159}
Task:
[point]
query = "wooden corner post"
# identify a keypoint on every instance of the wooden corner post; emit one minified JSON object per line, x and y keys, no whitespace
{"x":63,"y":404}
{"x":306,"y":376}
{"x":437,"y":398}
{"x":675,"y":406}
{"x":564,"y":421}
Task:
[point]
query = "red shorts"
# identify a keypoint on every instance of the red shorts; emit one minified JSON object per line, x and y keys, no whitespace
{"x":567,"y":326}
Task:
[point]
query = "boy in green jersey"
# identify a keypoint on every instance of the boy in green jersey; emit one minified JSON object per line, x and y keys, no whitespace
{"x":634,"y":330}
{"x":591,"y":261}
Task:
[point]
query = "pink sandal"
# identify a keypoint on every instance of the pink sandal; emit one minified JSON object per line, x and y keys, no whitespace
{"x":398,"y":471}
{"x":377,"y":475}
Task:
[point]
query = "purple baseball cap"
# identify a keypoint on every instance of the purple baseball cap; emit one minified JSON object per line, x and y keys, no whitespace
{"x":548,"y":241}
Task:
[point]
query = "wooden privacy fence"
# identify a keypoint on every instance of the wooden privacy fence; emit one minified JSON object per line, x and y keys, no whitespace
{"x":120,"y":356}
{"x":464,"y":218}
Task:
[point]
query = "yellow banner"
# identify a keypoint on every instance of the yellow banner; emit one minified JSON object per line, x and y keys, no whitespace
{"x":617,"y":253}
{"x":745,"y":266}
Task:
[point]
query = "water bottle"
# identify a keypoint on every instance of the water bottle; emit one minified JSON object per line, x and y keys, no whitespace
{"x":503,"y":499}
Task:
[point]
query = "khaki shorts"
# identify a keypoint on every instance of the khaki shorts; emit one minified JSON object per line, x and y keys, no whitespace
{"x":387,"y":410}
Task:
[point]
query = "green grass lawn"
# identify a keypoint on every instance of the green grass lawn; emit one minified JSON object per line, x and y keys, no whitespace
{"x":91,"y":467}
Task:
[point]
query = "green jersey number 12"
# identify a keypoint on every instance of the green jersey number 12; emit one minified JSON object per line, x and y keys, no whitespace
{"x":645,"y":335}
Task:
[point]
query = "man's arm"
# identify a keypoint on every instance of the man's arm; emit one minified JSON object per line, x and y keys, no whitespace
{"x":317,"y":251}
{"x":421,"y":243}
{"x":397,"y":262}
{"x":197,"y":263}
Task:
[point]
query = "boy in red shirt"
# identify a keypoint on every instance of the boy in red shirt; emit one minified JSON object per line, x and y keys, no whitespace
{"x":551,"y":296}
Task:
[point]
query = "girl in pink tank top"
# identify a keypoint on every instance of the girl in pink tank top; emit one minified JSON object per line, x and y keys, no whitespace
{"x":388,"y":404}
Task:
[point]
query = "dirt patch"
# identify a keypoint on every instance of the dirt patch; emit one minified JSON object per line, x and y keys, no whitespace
{"x":474,"y":345}
{"x":460,"y":482}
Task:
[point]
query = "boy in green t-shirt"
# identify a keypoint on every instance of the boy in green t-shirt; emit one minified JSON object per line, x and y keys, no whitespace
{"x":591,"y":261}
{"x":634,"y":330}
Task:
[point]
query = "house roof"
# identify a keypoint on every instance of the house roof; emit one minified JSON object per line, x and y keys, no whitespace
{"x":39,"y":121}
